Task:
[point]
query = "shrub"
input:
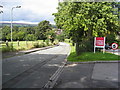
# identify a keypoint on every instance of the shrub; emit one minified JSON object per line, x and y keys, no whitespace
{"x":47,"y":42}
{"x":30,"y":37}
{"x":37,"y":45}
{"x":8,"y":48}
{"x":55,"y":42}
{"x":44,"y":44}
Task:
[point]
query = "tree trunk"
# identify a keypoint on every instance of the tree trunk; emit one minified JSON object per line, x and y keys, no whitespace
{"x":78,"y":48}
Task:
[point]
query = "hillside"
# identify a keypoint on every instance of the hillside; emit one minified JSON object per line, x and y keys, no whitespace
{"x":17,"y":24}
{"x":21,"y":24}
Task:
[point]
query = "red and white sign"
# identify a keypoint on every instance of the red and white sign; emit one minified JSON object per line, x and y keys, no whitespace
{"x":114,"y":46}
{"x":99,"y":42}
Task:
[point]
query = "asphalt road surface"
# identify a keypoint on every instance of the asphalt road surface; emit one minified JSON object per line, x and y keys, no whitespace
{"x":94,"y":75}
{"x":33,"y":70}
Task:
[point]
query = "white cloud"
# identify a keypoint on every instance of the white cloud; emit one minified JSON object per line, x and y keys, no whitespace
{"x":19,"y":22}
{"x":40,"y":6}
{"x":31,"y":10}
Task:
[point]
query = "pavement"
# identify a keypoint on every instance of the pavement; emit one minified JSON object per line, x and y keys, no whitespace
{"x":116,"y":52}
{"x":96,"y":75}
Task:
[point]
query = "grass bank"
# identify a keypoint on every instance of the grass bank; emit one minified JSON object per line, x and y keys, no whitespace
{"x":90,"y":56}
{"x":25,"y":45}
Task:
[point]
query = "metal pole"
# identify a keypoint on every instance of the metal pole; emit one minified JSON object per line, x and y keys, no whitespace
{"x":11,"y":22}
{"x":12,"y":19}
{"x":94,"y":43}
{"x":104,"y":46}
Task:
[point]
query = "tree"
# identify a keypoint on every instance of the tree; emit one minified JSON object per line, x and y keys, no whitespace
{"x":30,"y":37}
{"x":51,"y":35}
{"x":42,"y":29}
{"x":5,"y":32}
{"x":20,"y":35}
{"x":85,"y":20}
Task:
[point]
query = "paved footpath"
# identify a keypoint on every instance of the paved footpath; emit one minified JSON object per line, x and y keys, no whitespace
{"x":33,"y":70}
{"x":116,"y":52}
{"x":96,"y":75}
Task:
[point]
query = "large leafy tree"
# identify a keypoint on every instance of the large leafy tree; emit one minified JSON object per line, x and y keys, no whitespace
{"x":5,"y":32}
{"x":42,"y":29}
{"x":85,"y":20}
{"x":51,"y":35}
{"x":30,"y":37}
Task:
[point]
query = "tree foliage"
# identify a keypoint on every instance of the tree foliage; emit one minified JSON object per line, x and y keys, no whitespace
{"x":42,"y":29}
{"x":85,"y":20}
{"x":28,"y":33}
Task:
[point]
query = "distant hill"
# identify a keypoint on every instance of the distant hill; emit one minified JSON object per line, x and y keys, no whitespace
{"x":54,"y":26}
{"x":17,"y":24}
{"x":21,"y":24}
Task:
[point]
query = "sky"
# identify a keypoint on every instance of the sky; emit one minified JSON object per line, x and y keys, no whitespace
{"x":31,"y":11}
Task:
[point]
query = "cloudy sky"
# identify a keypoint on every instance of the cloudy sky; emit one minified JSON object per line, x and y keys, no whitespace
{"x":31,"y":10}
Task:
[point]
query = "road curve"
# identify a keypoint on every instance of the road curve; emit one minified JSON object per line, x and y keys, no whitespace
{"x":33,"y":70}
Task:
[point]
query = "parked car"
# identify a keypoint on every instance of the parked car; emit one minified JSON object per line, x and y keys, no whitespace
{"x":107,"y":46}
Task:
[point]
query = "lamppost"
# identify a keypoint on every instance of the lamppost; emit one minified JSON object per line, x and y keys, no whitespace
{"x":1,"y":7}
{"x":12,"y":19}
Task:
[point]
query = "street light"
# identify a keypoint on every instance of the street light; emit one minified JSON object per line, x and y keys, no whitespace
{"x":12,"y":19}
{"x":1,"y":11}
{"x":1,"y":7}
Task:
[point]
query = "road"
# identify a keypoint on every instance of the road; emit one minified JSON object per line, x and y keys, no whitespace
{"x":33,"y":70}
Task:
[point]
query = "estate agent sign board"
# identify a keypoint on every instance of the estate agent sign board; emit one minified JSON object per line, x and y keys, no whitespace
{"x":99,"y":42}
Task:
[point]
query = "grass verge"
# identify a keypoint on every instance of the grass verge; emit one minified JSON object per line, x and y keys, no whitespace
{"x":90,"y":56}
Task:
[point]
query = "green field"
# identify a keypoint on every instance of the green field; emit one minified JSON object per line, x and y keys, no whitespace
{"x":24,"y":45}
{"x":90,"y":56}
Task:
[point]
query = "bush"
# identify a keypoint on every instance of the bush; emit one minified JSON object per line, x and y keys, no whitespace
{"x":47,"y":42}
{"x":61,"y":37}
{"x":37,"y":45}
{"x":55,"y":42}
{"x":8,"y":48}
{"x":44,"y":44}
{"x":31,"y":37}
{"x":2,"y":42}
{"x":50,"y":43}
{"x":110,"y":38}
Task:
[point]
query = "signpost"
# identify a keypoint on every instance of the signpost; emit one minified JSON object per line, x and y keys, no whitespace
{"x":99,"y":42}
{"x":114,"y":46}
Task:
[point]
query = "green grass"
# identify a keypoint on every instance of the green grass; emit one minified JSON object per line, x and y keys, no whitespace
{"x":23,"y":45}
{"x":90,"y":56}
